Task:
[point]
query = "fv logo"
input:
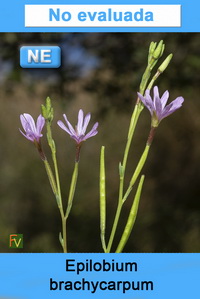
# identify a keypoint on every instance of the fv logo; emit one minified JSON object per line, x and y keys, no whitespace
{"x":16,"y":241}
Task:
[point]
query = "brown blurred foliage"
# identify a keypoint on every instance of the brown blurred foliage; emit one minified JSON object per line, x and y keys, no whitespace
{"x":101,"y":73}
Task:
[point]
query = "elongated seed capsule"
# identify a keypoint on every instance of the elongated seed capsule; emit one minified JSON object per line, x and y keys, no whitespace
{"x":140,"y":165}
{"x":131,"y":217}
{"x":102,"y":189}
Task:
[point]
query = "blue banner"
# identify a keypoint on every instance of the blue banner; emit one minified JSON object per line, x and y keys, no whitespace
{"x":15,"y":16}
{"x":98,"y":275}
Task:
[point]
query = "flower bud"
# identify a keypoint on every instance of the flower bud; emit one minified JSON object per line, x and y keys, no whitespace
{"x":151,"y":50}
{"x":152,"y":47}
{"x":48,"y":103}
{"x":163,"y":48}
{"x":47,"y":111}
{"x":50,"y":115}
{"x":44,"y":111}
{"x":165,"y":63}
{"x":159,"y":50}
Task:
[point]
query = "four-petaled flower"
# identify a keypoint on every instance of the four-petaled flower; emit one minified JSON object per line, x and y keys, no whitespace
{"x":157,"y":106}
{"x":32,"y":130}
{"x":78,"y":134}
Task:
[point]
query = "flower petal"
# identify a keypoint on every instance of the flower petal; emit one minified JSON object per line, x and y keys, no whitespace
{"x":40,"y":124}
{"x":29,"y":137}
{"x":158,"y":106}
{"x":86,"y":122}
{"x":92,"y":132}
{"x":73,"y":132}
{"x":155,"y":94}
{"x":30,"y":122}
{"x":147,"y":101}
{"x":164,"y":98}
{"x":172,"y":107}
{"x":80,"y":122}
{"x":62,"y":126}
{"x":23,"y":122}
{"x":76,"y":138}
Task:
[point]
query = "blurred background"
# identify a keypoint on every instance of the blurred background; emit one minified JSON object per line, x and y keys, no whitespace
{"x":101,"y":73}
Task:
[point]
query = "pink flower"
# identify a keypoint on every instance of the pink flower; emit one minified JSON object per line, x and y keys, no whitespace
{"x":32,"y":130}
{"x":78,"y":134}
{"x":157,"y":106}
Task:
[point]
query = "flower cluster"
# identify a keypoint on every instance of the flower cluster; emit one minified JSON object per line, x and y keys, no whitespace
{"x":33,"y":131}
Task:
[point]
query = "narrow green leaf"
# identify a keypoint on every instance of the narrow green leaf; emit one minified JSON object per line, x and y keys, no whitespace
{"x":131,"y":218}
{"x":102,"y":189}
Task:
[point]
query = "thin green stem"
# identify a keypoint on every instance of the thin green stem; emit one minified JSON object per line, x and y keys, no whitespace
{"x":137,"y":171}
{"x":59,"y":201}
{"x":115,"y":223}
{"x":133,"y":124}
{"x":64,"y":229}
{"x":50,"y":176}
{"x":136,"y":113}
{"x":57,"y":180}
{"x":141,"y":162}
{"x":145,"y":78}
{"x":72,"y":189}
{"x":157,"y":74}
